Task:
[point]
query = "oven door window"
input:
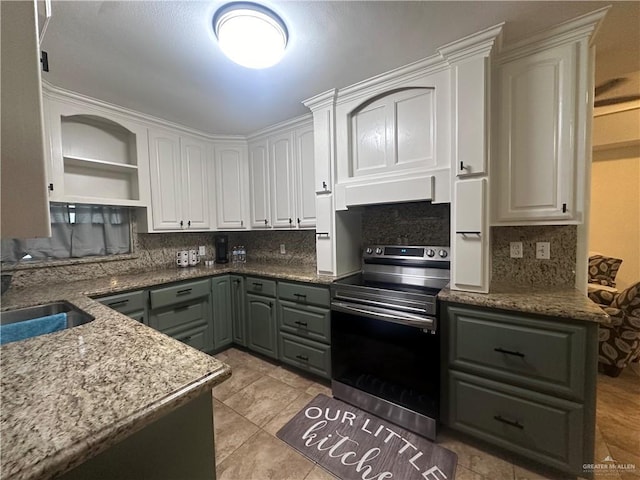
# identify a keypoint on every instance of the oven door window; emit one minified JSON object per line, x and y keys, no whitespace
{"x":395,"y":362}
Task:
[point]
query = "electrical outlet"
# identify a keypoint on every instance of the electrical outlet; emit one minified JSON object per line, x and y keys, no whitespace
{"x":516,"y":249}
{"x":202,"y":250}
{"x":283,"y":249}
{"x":543,"y":250}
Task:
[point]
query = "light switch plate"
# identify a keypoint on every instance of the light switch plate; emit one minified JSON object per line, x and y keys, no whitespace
{"x":283,"y":249}
{"x":543,"y":250}
{"x":516,"y":249}
{"x":202,"y":250}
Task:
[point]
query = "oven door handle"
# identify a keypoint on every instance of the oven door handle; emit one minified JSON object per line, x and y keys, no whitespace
{"x":402,"y":318}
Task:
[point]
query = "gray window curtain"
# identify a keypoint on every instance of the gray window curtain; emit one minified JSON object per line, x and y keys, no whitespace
{"x":76,"y":231}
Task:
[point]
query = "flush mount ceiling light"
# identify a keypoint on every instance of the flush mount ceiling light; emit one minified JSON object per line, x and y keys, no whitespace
{"x":249,"y":34}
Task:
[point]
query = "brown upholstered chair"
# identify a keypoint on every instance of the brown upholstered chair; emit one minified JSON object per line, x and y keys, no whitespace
{"x":619,"y":342}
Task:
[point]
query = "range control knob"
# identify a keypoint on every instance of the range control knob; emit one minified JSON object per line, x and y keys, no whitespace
{"x":430,"y":252}
{"x":442,"y":253}
{"x":378,"y":251}
{"x":369,"y":250}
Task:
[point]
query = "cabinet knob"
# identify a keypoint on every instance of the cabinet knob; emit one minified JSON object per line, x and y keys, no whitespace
{"x":265,"y":222}
{"x":189,"y":224}
{"x":324,"y":185}
{"x":463,"y":167}
{"x":298,"y":221}
{"x":564,"y":208}
{"x":51,"y":187}
{"x":290,"y":221}
{"x":181,"y":224}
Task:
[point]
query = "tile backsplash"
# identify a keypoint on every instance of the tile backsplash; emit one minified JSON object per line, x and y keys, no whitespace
{"x":415,"y":223}
{"x":153,"y":251}
{"x":264,"y":245}
{"x":558,"y":270}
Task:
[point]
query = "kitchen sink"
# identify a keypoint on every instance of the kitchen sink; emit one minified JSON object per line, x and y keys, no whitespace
{"x":40,"y":320}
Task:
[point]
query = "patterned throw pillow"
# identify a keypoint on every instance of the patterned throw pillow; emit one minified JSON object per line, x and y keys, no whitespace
{"x":603,"y":270}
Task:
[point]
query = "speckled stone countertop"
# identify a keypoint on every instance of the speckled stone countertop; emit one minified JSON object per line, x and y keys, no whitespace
{"x":69,"y":395}
{"x":121,"y":283}
{"x":550,"y":301}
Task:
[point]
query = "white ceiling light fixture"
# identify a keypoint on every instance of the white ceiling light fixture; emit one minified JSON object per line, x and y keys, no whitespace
{"x":250,"y":34}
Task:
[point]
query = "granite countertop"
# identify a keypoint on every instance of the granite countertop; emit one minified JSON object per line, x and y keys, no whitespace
{"x":560,"y":302}
{"x":101,"y":286}
{"x":69,"y":395}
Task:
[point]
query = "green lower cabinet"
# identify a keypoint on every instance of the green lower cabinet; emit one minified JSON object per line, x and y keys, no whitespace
{"x":305,"y":354}
{"x":261,"y":324}
{"x":131,"y":304}
{"x":536,"y":425}
{"x":524,"y":382}
{"x":183,"y":311}
{"x":237,"y":310}
{"x":222,"y":312}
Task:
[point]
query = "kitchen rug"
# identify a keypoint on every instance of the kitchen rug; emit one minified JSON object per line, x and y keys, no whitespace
{"x":355,"y":445}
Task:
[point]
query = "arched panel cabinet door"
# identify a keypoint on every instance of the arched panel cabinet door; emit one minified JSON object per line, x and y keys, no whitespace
{"x":393,"y":131}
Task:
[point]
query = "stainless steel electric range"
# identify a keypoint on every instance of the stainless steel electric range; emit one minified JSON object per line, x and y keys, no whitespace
{"x":385,"y":347}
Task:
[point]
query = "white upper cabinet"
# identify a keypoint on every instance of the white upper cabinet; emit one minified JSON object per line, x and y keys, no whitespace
{"x":231,"y":189}
{"x":23,"y":170}
{"x":394,"y":140}
{"x":96,"y":156}
{"x":305,"y":175}
{"x":259,"y":183}
{"x":166,"y":180}
{"x":282,"y":180}
{"x":394,"y":132}
{"x":472,"y":105}
{"x":195,"y":160}
{"x":282,"y":176}
{"x":179,"y":181}
{"x":536,"y":162}
{"x":544,"y":90}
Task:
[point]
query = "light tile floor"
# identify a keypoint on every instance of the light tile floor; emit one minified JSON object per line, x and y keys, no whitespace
{"x":261,"y":396}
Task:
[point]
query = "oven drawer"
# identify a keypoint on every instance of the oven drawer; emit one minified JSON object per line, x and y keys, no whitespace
{"x":527,"y":351}
{"x":260,"y":286}
{"x":182,"y":292}
{"x":518,"y":420}
{"x":305,"y":354}
{"x":304,"y":294}
{"x":308,"y":321}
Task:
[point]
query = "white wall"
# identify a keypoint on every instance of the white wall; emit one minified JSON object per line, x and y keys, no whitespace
{"x":615,"y":209}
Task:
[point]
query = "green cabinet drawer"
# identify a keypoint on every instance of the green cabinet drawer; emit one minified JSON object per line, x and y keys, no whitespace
{"x":260,"y":286}
{"x":305,"y":320}
{"x":126,"y":302}
{"x":305,"y":354}
{"x":541,"y":427}
{"x":542,"y":354}
{"x":304,"y":294}
{"x":179,"y":293}
{"x":199,"y":337}
{"x":171,"y":320}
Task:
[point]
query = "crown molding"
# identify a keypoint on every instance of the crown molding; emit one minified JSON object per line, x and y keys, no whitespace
{"x":302,"y":120}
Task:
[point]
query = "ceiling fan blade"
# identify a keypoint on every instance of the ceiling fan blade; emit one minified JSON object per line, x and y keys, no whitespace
{"x":608,"y":85}
{"x":615,"y":100}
